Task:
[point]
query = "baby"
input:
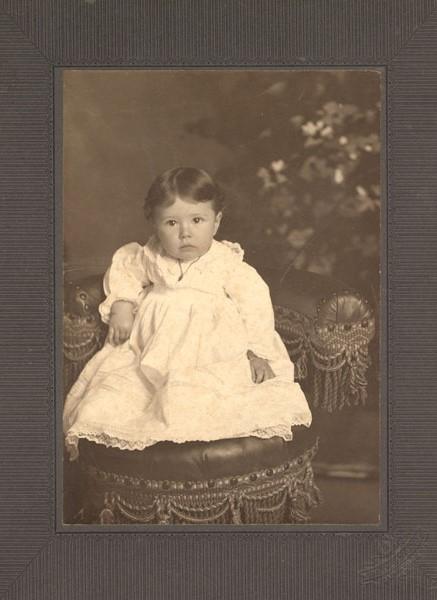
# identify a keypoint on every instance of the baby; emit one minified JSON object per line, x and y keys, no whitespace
{"x":191,"y":352}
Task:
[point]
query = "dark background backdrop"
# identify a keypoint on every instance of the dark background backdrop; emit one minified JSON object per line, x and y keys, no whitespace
{"x":121,"y":129}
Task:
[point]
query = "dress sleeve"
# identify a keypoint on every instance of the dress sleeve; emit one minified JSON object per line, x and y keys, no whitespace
{"x":125,"y":279}
{"x":252,"y":297}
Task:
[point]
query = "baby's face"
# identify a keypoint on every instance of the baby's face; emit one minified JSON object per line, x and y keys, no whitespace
{"x":186,"y":229}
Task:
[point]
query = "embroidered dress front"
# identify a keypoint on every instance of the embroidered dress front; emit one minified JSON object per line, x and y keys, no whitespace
{"x":184,"y":375}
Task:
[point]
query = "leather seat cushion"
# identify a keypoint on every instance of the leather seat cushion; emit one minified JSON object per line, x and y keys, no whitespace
{"x":194,"y":461}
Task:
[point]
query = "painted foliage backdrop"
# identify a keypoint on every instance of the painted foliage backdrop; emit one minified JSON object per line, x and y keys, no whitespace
{"x":306,"y":149}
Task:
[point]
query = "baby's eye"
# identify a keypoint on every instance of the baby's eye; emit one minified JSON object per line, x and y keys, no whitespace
{"x":197,"y":219}
{"x":171,"y":222}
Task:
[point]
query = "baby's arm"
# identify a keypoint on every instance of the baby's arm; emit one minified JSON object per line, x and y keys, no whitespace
{"x":124,"y":287}
{"x":121,"y":320}
{"x":252,"y":296}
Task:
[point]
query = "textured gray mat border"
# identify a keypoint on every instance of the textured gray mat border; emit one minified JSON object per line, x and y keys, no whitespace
{"x":37,"y":562}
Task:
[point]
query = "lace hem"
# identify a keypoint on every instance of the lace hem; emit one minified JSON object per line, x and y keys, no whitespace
{"x":283,"y":431}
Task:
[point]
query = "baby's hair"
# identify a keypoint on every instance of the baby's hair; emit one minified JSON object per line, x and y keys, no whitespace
{"x":186,"y":183}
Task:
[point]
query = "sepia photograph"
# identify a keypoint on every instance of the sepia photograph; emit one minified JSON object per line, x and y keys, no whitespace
{"x":221,"y":338}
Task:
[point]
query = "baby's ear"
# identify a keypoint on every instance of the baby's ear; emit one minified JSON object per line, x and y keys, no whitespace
{"x":218,"y":219}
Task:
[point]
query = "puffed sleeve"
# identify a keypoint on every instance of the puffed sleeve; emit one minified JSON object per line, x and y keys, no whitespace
{"x":252,"y":297}
{"x":125,"y":279}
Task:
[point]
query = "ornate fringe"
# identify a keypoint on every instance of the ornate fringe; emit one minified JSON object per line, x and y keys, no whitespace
{"x":283,"y":494}
{"x":334,"y":358}
{"x":83,"y":336}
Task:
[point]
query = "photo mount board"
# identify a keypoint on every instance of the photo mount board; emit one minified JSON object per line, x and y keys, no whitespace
{"x":37,"y":558}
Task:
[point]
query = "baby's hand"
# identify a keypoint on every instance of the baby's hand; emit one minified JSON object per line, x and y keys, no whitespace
{"x":120,"y":322}
{"x":261,"y":370}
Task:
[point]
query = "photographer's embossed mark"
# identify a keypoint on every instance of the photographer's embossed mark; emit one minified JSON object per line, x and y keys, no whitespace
{"x":394,"y":557}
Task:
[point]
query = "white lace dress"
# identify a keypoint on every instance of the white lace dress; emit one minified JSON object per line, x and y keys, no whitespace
{"x":183,"y":375}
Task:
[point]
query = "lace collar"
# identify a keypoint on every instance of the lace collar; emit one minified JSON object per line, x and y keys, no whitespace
{"x":220,"y":256}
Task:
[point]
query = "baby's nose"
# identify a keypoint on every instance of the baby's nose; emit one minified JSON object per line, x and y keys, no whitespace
{"x":185,"y":231}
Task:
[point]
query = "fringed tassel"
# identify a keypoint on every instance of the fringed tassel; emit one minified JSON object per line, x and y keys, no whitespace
{"x":235,"y":505}
{"x":327,"y":378}
{"x":81,"y":342}
{"x":163,"y":510}
{"x":317,"y":388}
{"x":107,"y":516}
{"x":293,"y":328}
{"x":318,"y":497}
{"x":327,"y":389}
{"x":313,"y":496}
{"x":329,"y":399}
{"x":340,"y":380}
{"x":292,"y":500}
{"x":72,"y":371}
{"x":358,"y":362}
{"x":301,"y":366}
{"x":338,"y":390}
{"x":303,"y":495}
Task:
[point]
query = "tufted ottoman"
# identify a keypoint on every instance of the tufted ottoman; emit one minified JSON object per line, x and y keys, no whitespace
{"x":246,"y":480}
